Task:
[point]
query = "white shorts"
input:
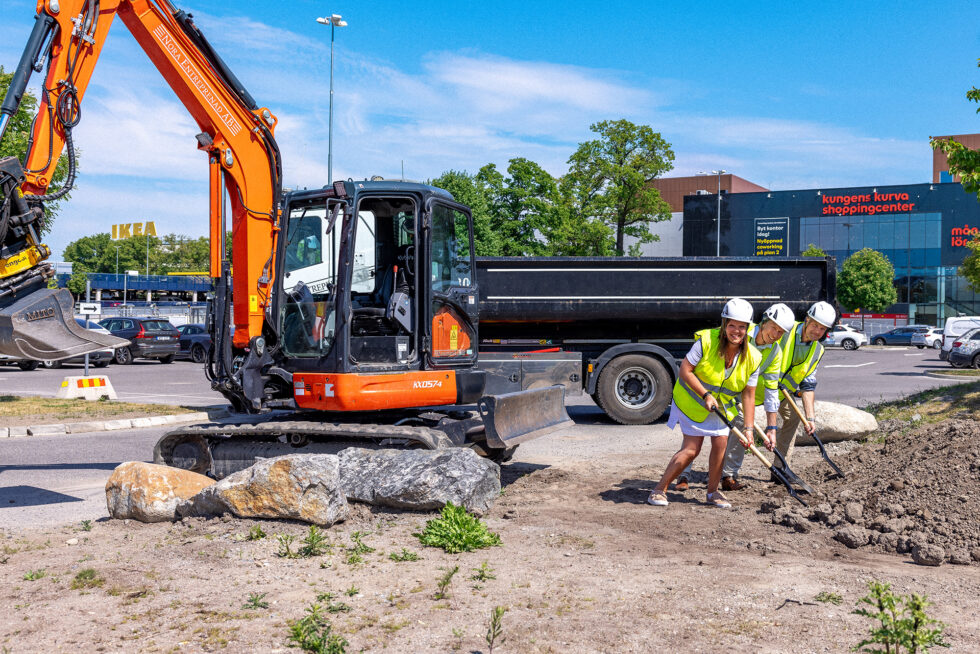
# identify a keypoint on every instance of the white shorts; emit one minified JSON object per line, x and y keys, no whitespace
{"x":711,"y":427}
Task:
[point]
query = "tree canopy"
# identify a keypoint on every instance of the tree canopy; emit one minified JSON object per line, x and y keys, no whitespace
{"x":962,"y":160}
{"x":813,"y":251}
{"x":170,"y":253}
{"x":605,"y":196}
{"x":15,"y":143}
{"x":866,"y":282}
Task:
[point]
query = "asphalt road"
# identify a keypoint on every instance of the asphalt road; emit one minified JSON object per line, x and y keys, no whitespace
{"x":61,"y":479}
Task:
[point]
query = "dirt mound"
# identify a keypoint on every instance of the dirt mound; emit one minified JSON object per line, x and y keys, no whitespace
{"x":916,"y":493}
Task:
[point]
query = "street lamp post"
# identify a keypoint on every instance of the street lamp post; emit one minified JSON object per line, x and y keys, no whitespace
{"x":848,"y":226}
{"x":334,"y":21}
{"x":117,"y":260}
{"x":718,"y":232}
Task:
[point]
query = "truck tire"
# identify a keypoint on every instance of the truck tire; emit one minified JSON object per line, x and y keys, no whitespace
{"x":634,"y":389}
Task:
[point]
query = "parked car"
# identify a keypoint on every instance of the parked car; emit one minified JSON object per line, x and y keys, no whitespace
{"x":846,"y":337}
{"x":195,"y":341}
{"x":24,"y":364}
{"x":149,"y":338}
{"x":899,"y":335}
{"x":99,"y":359}
{"x":955,"y":327}
{"x":965,"y":350}
{"x":932,"y":338}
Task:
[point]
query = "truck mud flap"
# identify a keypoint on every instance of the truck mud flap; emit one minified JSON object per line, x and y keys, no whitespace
{"x":513,"y":418}
{"x":41,"y":326}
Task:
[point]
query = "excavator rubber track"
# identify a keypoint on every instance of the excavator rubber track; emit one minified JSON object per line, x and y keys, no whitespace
{"x":217,"y":450}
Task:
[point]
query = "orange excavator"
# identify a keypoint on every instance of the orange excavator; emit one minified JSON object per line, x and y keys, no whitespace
{"x":353,"y":308}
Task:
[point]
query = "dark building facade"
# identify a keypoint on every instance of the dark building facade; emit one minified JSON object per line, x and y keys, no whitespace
{"x":922,"y":229}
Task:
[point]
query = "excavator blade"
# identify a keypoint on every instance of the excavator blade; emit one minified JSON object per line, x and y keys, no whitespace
{"x":41,"y":326}
{"x":513,"y":418}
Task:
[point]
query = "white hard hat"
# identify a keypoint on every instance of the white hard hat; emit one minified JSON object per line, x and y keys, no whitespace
{"x":782,"y":315}
{"x":823,"y":313}
{"x":737,"y":309}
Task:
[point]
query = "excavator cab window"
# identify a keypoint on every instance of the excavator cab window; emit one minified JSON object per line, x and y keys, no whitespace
{"x":383,"y":324}
{"x":310,"y":279}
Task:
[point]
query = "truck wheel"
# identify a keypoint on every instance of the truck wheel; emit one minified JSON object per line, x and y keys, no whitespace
{"x":634,"y":389}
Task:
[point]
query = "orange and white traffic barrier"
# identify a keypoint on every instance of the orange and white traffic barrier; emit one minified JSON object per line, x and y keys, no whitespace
{"x":89,"y":388}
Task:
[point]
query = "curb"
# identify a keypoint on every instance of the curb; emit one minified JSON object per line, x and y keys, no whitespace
{"x":939,"y":375}
{"x":112,"y":425}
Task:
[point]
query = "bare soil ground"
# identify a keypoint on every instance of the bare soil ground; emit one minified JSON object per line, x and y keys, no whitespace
{"x":584,"y":566}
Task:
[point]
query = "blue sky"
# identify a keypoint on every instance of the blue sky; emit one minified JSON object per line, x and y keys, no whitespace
{"x":786,"y":96}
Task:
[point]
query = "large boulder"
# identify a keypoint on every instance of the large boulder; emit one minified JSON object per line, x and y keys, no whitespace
{"x":420,"y":480}
{"x":295,"y":487}
{"x":149,"y":492}
{"x":835,"y":422}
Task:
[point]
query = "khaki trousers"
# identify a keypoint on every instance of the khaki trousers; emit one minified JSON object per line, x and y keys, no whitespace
{"x":786,"y":436}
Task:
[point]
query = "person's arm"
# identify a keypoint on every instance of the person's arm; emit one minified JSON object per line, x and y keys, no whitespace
{"x":808,"y":397}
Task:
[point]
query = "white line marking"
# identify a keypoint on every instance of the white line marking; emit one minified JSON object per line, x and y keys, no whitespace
{"x":855,"y":365}
{"x":614,"y":298}
{"x":912,"y":355}
{"x":617,"y":270}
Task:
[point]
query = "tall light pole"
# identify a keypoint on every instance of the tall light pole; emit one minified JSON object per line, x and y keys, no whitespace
{"x":718,"y":233}
{"x":334,"y":21}
{"x":117,"y":260}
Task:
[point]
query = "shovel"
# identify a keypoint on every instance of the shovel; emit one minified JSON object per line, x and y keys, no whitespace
{"x":776,"y":472}
{"x":792,"y":476}
{"x":823,"y":450}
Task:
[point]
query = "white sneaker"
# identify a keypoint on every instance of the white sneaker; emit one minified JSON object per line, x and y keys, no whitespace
{"x":657,"y":498}
{"x":719,"y":500}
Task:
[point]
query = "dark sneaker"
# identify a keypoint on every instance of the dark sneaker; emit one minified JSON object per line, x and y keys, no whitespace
{"x":732,"y":484}
{"x":681,"y":484}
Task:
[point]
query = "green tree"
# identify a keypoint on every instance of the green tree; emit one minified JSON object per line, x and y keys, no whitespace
{"x":962,"y":160}
{"x":169,"y":253}
{"x":15,"y":142}
{"x":970,"y":270}
{"x":465,"y":190}
{"x":866,"y":282}
{"x":813,"y":251}
{"x":610,"y":177}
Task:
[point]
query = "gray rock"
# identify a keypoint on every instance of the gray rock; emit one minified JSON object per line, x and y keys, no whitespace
{"x":890,"y":541}
{"x":148,"y":492}
{"x":294,"y":487}
{"x":853,"y":511}
{"x":835,"y":422}
{"x":896,"y":525}
{"x":852,"y":536}
{"x":834,"y":520}
{"x":928,"y":555}
{"x":896,"y":510}
{"x":797,"y":522}
{"x":975,"y":554}
{"x":822,"y":512}
{"x":420,"y":480}
{"x":960,"y":557}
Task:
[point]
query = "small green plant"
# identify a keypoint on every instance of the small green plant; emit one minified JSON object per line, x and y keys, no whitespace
{"x":828,"y":598}
{"x":444,"y":582}
{"x":315,"y":543}
{"x":404,"y":555}
{"x":353,"y":558}
{"x":359,"y":546}
{"x":255,"y":533}
{"x":255,"y":601}
{"x":87,"y":578}
{"x":456,"y":530}
{"x":338,"y":607}
{"x":483,"y":573}
{"x":34,"y":575}
{"x":904,"y":625}
{"x":285,"y":542}
{"x":458,"y":639}
{"x":325,"y":597}
{"x":86,"y":525}
{"x":495,"y":627}
{"x":352,"y":591}
{"x":312,"y":633}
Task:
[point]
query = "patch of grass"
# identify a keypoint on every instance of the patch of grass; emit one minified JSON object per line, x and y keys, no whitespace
{"x":352,"y":591}
{"x":353,"y":558}
{"x":87,"y":578}
{"x":404,"y":555}
{"x":395,"y":625}
{"x":312,"y":633}
{"x":444,"y":582}
{"x":934,"y":405}
{"x":255,"y":533}
{"x":958,"y":372}
{"x":315,"y":543}
{"x":86,"y":525}
{"x":456,"y":530}
{"x":338,"y":607}
{"x":16,"y":410}
{"x":34,"y":575}
{"x":255,"y":601}
{"x":483,"y":573}
{"x":829,"y":598}
{"x":325,"y":597}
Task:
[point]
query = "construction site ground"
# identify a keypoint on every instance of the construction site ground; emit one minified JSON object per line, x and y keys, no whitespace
{"x":585,"y":565}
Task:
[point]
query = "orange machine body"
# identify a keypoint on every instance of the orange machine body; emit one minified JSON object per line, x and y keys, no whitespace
{"x":363,"y":392}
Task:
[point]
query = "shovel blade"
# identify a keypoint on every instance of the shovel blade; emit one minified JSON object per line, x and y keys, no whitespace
{"x":41,"y":326}
{"x":513,"y":418}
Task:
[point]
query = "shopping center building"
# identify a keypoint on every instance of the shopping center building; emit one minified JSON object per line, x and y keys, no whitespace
{"x":922,"y":229}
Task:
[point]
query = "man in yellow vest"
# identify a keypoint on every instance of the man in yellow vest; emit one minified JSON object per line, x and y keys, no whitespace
{"x":802,"y":351}
{"x":776,"y":321}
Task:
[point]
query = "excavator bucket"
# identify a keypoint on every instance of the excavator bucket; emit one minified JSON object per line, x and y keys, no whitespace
{"x":513,"y":418}
{"x":41,"y":326}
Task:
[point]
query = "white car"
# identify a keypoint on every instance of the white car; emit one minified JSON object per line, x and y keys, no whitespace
{"x":955,"y":327}
{"x":846,"y":337}
{"x":932,"y":338}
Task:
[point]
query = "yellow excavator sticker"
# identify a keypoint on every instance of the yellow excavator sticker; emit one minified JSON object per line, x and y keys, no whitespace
{"x":19,"y":262}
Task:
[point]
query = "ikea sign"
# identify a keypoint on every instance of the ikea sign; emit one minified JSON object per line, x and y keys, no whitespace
{"x":127,"y":230}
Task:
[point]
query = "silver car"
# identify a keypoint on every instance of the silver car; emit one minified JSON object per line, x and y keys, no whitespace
{"x":966,"y":350}
{"x":932,"y":339}
{"x":846,"y":337}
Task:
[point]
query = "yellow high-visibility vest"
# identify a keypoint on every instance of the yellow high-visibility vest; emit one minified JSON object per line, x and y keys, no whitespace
{"x":711,"y":372}
{"x":791,"y":375}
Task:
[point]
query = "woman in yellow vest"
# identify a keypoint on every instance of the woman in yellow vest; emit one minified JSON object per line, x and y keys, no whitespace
{"x":720,"y":366}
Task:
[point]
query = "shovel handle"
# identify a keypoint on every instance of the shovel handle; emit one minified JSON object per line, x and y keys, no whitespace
{"x":816,"y":439}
